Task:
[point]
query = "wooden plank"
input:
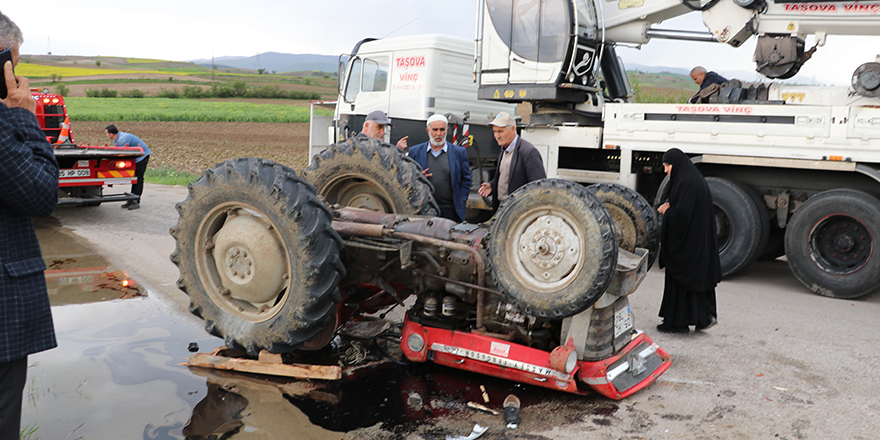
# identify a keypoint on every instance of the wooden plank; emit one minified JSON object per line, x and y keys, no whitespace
{"x":269,"y":358}
{"x":299,"y":371}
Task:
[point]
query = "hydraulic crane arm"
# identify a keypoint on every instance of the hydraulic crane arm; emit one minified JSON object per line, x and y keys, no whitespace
{"x":551,"y":50}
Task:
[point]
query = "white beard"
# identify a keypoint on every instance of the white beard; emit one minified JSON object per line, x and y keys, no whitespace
{"x":438,"y":144}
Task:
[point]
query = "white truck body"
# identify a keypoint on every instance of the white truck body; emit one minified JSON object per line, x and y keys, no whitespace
{"x":410,"y":79}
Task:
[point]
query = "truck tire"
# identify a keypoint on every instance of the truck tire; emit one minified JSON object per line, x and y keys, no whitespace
{"x":830,"y":243}
{"x":738,"y":224}
{"x":364,"y":173}
{"x":552,"y":248}
{"x":258,"y":256}
{"x":634,"y":218}
{"x":763,"y":218}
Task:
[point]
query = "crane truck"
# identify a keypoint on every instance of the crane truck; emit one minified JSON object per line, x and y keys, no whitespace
{"x":793,"y":170}
{"x":766,"y":150}
{"x":84,"y":170}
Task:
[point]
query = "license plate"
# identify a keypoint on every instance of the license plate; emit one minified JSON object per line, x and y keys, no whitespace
{"x":623,"y":321}
{"x":75,"y":173}
{"x":63,"y":281}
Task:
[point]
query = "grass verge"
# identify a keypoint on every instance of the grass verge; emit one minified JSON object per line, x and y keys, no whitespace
{"x":169,"y":176}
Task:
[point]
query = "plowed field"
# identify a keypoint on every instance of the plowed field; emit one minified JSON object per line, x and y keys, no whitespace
{"x":195,"y":146}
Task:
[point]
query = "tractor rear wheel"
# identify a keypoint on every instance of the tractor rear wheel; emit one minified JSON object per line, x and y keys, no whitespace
{"x":634,"y":218}
{"x":258,"y":256}
{"x":552,"y":248}
{"x":365,"y":173}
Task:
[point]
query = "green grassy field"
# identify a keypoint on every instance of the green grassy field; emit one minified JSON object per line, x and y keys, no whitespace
{"x":165,"y":109}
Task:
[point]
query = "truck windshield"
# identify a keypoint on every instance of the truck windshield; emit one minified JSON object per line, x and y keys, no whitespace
{"x":354,"y":81}
{"x":536,"y":31}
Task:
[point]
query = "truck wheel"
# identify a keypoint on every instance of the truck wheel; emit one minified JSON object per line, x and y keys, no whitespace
{"x":633,"y":216}
{"x":257,"y":256}
{"x":364,"y":173}
{"x":552,"y":248}
{"x":763,"y":218}
{"x":830,"y":243}
{"x":738,"y":224}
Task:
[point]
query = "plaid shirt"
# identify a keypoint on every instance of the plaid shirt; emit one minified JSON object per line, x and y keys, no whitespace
{"x":28,"y":188}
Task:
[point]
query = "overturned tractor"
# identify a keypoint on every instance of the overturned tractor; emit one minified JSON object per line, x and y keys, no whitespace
{"x":278,"y":261}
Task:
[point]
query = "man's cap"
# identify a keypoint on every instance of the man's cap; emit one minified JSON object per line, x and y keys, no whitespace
{"x":379,"y":117}
{"x":504,"y":119}
{"x":435,"y":118}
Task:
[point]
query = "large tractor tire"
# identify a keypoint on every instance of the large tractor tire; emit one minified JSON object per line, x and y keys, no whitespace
{"x":742,"y":230}
{"x":258,"y":256}
{"x":634,"y":218}
{"x":830,"y":243}
{"x":365,"y":173}
{"x":552,"y":248}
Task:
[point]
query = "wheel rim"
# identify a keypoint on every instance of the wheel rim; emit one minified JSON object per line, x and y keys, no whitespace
{"x":547,"y":250}
{"x":242,"y":261}
{"x":840,"y":244}
{"x":358,"y":192}
{"x":722,"y":228}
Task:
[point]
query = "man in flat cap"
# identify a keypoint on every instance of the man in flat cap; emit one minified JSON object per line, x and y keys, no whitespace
{"x":446,"y":167}
{"x":518,"y":161}
{"x":374,"y":127}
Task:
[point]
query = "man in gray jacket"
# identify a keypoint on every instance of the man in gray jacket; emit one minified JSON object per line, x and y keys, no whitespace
{"x":518,"y":161}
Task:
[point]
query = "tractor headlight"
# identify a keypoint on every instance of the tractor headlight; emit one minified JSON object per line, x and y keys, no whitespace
{"x":415,"y":342}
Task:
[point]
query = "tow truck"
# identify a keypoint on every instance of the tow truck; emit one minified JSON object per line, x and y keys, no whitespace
{"x":84,"y":170}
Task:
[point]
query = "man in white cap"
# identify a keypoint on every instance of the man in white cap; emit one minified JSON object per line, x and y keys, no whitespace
{"x":518,"y":161}
{"x":374,"y":127}
{"x":446,"y":167}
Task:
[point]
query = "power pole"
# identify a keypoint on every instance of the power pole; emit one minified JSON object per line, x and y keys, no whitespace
{"x":48,"y":45}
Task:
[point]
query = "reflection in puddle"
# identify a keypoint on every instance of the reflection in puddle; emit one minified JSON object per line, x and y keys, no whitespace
{"x":75,"y":275}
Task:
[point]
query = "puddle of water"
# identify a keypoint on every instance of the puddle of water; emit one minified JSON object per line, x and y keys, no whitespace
{"x":114,"y":374}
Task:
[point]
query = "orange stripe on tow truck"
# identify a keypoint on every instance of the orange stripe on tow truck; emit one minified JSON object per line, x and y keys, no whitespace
{"x":109,"y":174}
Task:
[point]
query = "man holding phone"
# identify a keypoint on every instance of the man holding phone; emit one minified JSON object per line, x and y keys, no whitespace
{"x":28,"y":188}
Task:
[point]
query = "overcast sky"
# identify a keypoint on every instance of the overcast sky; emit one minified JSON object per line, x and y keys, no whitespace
{"x":183,"y":30}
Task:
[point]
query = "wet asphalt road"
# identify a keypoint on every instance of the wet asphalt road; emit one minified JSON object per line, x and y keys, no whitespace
{"x":782,"y":363}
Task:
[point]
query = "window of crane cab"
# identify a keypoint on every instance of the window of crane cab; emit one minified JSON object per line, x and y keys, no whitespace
{"x":367,"y":75}
{"x":588,"y":26}
{"x":354,"y":81}
{"x":538,"y":30}
{"x":375,"y":75}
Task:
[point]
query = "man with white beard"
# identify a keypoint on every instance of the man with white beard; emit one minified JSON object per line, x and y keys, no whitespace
{"x":446,"y":167}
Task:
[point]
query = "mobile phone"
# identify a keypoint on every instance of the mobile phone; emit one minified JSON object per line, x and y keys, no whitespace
{"x":5,"y":55}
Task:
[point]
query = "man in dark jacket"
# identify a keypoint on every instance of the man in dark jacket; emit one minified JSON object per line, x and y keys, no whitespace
{"x":446,"y":167}
{"x":518,"y":161}
{"x":704,"y":79}
{"x":29,"y":182}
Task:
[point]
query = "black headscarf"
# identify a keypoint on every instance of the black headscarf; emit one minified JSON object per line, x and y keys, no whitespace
{"x":688,"y":240}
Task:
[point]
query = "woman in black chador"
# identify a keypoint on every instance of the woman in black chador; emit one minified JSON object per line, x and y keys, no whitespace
{"x":688,"y":248}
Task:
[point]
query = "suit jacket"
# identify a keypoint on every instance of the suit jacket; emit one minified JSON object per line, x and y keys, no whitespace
{"x":29,"y":182}
{"x":459,"y":170}
{"x":526,"y":166}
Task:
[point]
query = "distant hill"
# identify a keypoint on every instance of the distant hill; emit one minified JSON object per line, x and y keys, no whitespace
{"x":277,"y":62}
